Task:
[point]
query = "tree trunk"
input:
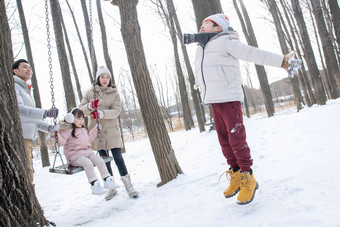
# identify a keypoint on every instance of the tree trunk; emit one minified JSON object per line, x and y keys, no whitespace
{"x":89,"y":35}
{"x":200,"y":120}
{"x":300,"y":74}
{"x":81,"y":42}
{"x":308,"y":93}
{"x":284,"y":48}
{"x":335,"y":11}
{"x":168,"y":166}
{"x":246,"y":105}
{"x":310,"y":58}
{"x":108,"y":59}
{"x":261,"y":73}
{"x":42,"y":137}
{"x":181,"y":82}
{"x":188,"y":122}
{"x":204,"y":8}
{"x":19,"y":205}
{"x":326,"y":80}
{"x":63,"y":60}
{"x":75,"y":74}
{"x":328,"y":50}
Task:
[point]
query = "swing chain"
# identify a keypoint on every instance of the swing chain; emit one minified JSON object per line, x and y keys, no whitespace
{"x":92,"y":44}
{"x":90,"y":9}
{"x":50,"y":58}
{"x":56,"y":145}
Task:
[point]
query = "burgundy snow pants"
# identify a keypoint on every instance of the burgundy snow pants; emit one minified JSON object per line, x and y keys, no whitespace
{"x":228,"y":120}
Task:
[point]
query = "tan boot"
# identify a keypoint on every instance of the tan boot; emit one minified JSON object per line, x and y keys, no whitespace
{"x":128,"y":186}
{"x":248,"y":188}
{"x":235,"y":183}
{"x":110,"y":194}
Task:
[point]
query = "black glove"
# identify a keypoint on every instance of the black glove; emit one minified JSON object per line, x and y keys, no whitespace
{"x":53,"y":112}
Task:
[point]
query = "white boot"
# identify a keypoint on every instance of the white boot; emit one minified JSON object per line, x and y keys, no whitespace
{"x":128,"y":186}
{"x":109,"y":195}
{"x":97,"y":189}
{"x":109,"y":183}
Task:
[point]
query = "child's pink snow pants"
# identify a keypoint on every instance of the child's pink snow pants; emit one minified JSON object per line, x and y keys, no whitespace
{"x":228,"y":120}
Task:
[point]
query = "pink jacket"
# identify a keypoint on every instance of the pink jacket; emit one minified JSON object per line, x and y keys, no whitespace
{"x":74,"y":147}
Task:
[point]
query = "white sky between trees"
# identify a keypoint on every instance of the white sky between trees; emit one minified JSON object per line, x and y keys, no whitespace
{"x":156,"y":40}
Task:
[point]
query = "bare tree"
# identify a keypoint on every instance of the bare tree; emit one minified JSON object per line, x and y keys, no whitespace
{"x":284,"y":48}
{"x":89,"y":35}
{"x":308,"y":93}
{"x":164,"y":105}
{"x":326,"y":79}
{"x":75,"y":74}
{"x":175,"y":93}
{"x":335,"y":11}
{"x":81,"y":42}
{"x":328,"y":49}
{"x":19,"y":205}
{"x":63,"y":60}
{"x":251,"y":40}
{"x":188,"y":122}
{"x":42,"y":136}
{"x":194,"y":93}
{"x":308,"y":50}
{"x":126,"y":115}
{"x":167,"y":163}
{"x":104,"y":39}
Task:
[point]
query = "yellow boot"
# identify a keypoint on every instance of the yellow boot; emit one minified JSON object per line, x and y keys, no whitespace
{"x":235,"y":183}
{"x":248,"y":188}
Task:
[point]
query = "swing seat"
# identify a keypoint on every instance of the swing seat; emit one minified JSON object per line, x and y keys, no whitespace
{"x":69,"y":170}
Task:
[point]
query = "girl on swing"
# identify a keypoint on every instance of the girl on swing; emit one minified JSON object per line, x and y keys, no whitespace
{"x":103,"y":100}
{"x":76,"y":140}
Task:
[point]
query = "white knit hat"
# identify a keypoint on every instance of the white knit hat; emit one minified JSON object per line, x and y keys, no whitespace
{"x":102,"y":70}
{"x":220,"y":19}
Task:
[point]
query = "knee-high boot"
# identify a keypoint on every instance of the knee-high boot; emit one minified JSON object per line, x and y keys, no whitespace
{"x":128,"y":186}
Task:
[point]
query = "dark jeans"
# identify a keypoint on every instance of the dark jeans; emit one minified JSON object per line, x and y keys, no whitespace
{"x":117,"y":156}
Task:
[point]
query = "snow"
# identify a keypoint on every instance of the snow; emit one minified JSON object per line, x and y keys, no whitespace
{"x":296,"y":163}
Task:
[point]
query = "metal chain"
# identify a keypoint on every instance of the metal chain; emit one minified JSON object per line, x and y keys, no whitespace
{"x":91,"y":37}
{"x":90,"y":6}
{"x":56,"y":145}
{"x":49,"y":57}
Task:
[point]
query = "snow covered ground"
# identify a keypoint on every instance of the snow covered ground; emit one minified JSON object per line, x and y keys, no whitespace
{"x":296,"y":162}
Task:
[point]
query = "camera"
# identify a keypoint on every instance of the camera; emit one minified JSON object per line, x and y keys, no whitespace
{"x":200,"y":38}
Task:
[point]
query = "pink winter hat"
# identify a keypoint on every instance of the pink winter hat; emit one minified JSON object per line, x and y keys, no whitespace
{"x":220,"y":19}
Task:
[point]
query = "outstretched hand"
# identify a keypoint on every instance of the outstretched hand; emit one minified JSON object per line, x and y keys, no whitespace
{"x":291,"y":64}
{"x":294,"y":67}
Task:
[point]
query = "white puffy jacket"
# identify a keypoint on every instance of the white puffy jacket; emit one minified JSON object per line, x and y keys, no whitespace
{"x":30,"y":116}
{"x":217,"y":68}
